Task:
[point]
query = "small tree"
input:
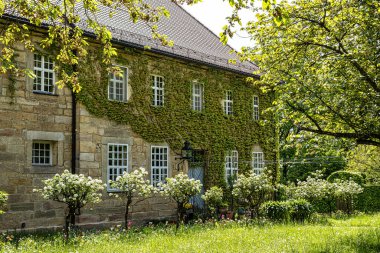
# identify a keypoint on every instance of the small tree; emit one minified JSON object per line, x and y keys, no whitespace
{"x":251,"y":190}
{"x":180,"y":188}
{"x":131,"y":185}
{"x":74,"y":190}
{"x":213,"y":198}
{"x":3,"y":201}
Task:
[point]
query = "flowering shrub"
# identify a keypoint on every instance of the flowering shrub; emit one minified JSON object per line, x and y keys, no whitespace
{"x":317,"y":190}
{"x":3,"y":200}
{"x":251,"y":190}
{"x":180,"y":188}
{"x":74,"y":190}
{"x":213,"y":198}
{"x":131,"y":185}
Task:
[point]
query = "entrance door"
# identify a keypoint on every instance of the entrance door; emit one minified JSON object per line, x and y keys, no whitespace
{"x":197,"y":174}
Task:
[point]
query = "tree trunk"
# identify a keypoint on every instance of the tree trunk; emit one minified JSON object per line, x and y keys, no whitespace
{"x":129,"y":201}
{"x":179,"y":214}
{"x":69,"y":221}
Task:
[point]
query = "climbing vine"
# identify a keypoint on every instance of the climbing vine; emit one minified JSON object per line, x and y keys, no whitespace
{"x":175,"y":122}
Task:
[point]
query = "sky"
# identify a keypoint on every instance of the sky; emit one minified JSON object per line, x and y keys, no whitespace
{"x":213,"y":13}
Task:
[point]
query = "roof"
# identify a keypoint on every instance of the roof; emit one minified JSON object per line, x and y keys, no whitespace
{"x":192,"y":40}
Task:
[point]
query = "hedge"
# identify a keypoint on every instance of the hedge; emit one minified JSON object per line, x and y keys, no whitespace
{"x":369,"y":199}
{"x":346,"y":175}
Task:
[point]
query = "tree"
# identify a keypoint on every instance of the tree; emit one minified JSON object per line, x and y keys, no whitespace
{"x":74,"y":190}
{"x":131,"y":185}
{"x":180,"y":188}
{"x":65,"y":32}
{"x":322,"y":59}
{"x":252,"y":190}
{"x":365,"y":159}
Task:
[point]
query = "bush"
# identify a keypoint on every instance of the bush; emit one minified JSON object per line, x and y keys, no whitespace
{"x":180,"y":188}
{"x":275,"y":210}
{"x":368,"y":200}
{"x":300,"y":210}
{"x":213,"y":198}
{"x":252,"y":190}
{"x":345,"y":176}
{"x":3,"y":201}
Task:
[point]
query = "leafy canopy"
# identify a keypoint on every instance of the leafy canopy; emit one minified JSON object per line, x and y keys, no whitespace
{"x":322,"y":59}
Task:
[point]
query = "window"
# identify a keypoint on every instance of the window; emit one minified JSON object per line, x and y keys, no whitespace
{"x":231,"y":163}
{"x":117,"y":86}
{"x":157,"y":90}
{"x":228,"y":103}
{"x":197,"y":98}
{"x":44,"y":71}
{"x":159,"y":164}
{"x":258,"y":162}
{"x":41,"y":153}
{"x":117,"y":160}
{"x":255,"y":107}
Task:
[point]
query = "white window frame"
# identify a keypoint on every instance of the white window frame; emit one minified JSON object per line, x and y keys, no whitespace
{"x":231,"y":163}
{"x":228,"y":103}
{"x":256,"y":113}
{"x":116,"y":169}
{"x":43,"y":71}
{"x":159,"y":172}
{"x":158,"y":90}
{"x":258,"y":162}
{"x":114,"y":81}
{"x":197,"y":96}
{"x":50,"y":163}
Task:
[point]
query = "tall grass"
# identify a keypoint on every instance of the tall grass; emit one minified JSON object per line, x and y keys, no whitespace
{"x":357,"y":234}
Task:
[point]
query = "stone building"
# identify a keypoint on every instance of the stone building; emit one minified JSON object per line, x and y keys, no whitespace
{"x":165,"y":97}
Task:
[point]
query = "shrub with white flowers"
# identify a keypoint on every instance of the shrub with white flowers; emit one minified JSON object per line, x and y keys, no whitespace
{"x":315,"y":189}
{"x":180,"y":188}
{"x":347,"y":191}
{"x":132,"y":185}
{"x":252,"y":190}
{"x":74,"y":190}
{"x":3,"y":200}
{"x":213,"y":198}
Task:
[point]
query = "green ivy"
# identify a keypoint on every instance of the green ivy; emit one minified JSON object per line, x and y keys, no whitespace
{"x":175,"y":122}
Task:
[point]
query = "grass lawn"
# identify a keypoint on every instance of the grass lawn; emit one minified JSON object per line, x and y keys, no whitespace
{"x":356,"y":234}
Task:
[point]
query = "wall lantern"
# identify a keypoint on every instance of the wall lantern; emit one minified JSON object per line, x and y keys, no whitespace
{"x":186,"y":154}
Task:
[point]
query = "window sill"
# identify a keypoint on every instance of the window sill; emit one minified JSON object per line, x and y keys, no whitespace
{"x":45,"y":93}
{"x":45,"y":169}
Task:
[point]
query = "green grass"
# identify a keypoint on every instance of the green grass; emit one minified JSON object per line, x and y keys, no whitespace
{"x":356,"y":234}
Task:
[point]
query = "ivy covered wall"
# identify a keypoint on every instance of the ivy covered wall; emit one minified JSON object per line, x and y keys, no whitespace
{"x":176,"y":122}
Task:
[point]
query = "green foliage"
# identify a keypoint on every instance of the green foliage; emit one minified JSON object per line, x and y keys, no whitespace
{"x":213,"y":197}
{"x":365,"y":159}
{"x":297,"y":210}
{"x":3,"y":201}
{"x":300,"y":210}
{"x":352,"y":235}
{"x":252,"y":190}
{"x":346,"y":175}
{"x":275,"y":210}
{"x":369,"y":200}
{"x":209,"y":129}
{"x":326,"y":56}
